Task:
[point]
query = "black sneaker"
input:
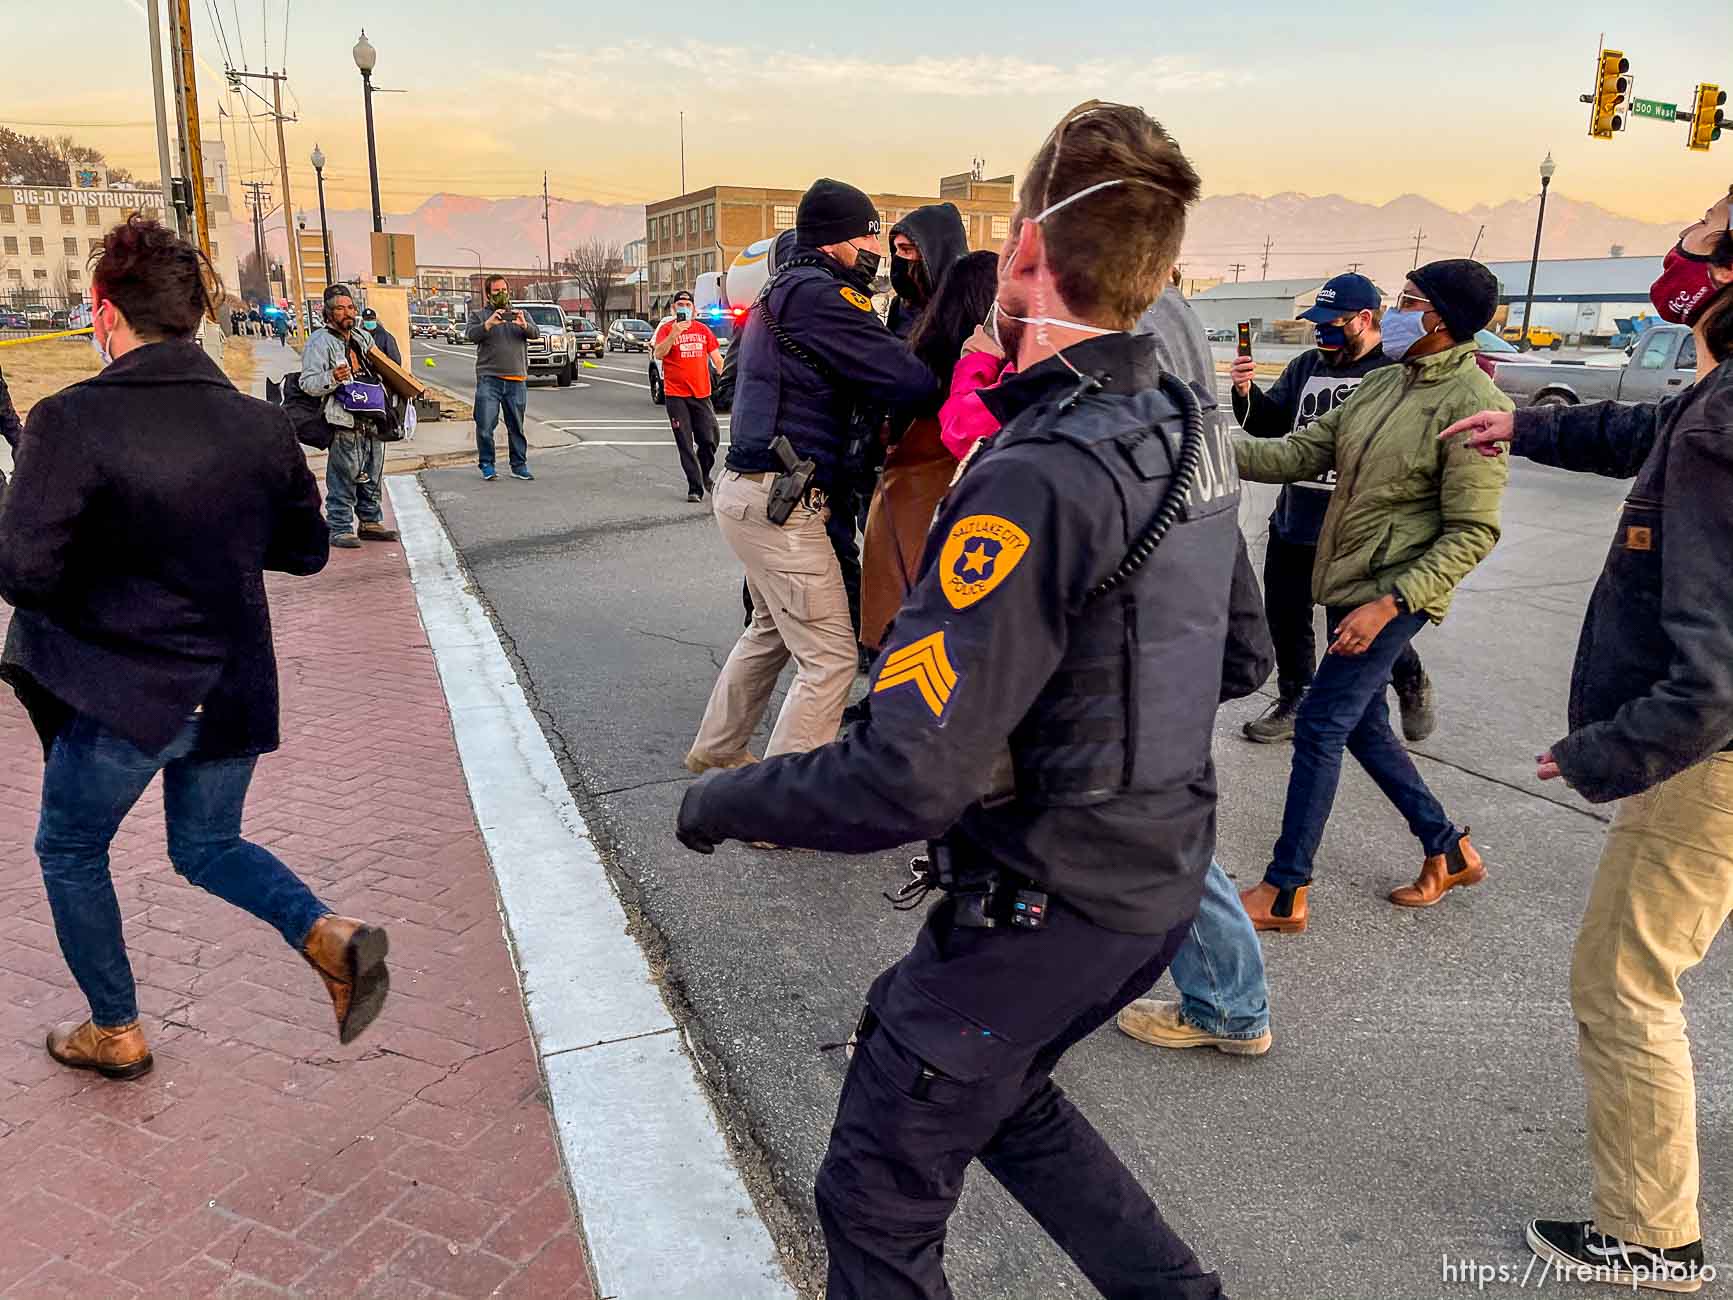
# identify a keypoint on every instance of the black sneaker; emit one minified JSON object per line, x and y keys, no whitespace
{"x":1277,"y":724}
{"x":1419,"y":708}
{"x":694,"y":497}
{"x":1575,"y":1252}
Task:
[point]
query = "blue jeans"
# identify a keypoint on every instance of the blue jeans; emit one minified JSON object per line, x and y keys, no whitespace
{"x":354,"y":475}
{"x":495,"y":397}
{"x":92,"y":780}
{"x":1219,"y":969}
{"x":1346,"y":709}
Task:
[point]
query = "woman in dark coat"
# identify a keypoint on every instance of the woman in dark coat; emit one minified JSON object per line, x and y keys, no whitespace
{"x":144,"y":506}
{"x":918,"y":469}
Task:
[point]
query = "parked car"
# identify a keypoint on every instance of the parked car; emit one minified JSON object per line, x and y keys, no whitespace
{"x":556,"y":351}
{"x":452,"y":331}
{"x":1492,"y":350}
{"x":1664,"y":363}
{"x":1539,"y":336}
{"x":1221,"y":336}
{"x":423,"y":327}
{"x":589,"y":338}
{"x":630,"y":335}
{"x":13,"y":320}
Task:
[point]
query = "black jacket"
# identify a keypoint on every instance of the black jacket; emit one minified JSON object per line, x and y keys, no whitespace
{"x":858,"y":360}
{"x":145,"y":505}
{"x":999,"y":650}
{"x":937,"y":230}
{"x":1652,"y":689}
{"x":10,"y":425}
{"x":383,"y":339}
{"x":1306,"y":390}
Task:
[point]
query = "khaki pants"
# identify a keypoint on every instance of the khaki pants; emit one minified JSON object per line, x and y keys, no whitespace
{"x":799,"y":608}
{"x":1662,"y":891}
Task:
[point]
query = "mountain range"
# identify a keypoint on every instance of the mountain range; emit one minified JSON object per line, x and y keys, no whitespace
{"x":1309,"y":235}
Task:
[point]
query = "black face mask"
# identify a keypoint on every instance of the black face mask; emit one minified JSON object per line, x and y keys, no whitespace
{"x":866,"y":267}
{"x":909,"y":280}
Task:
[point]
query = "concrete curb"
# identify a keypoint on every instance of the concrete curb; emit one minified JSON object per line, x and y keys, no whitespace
{"x":664,"y":1210}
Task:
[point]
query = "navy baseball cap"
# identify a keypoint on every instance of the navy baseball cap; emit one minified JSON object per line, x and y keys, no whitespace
{"x":1342,"y":296}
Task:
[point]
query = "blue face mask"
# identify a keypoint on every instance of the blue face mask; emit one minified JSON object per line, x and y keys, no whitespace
{"x":370,"y":324}
{"x":1332,"y":338}
{"x":1402,"y":330}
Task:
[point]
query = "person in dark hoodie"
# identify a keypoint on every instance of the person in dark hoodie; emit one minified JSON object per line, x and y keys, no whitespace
{"x":924,"y":245}
{"x":141,"y":641}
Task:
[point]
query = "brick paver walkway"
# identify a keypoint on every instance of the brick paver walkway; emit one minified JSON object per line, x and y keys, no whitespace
{"x":260,"y":1157}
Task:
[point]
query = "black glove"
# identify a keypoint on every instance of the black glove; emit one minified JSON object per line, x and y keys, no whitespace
{"x":689,"y":829}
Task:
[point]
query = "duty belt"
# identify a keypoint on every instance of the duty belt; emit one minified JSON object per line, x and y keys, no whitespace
{"x":985,"y":897}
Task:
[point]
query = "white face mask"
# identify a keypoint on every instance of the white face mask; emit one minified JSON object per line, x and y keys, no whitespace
{"x":98,"y":346}
{"x":1042,"y":322}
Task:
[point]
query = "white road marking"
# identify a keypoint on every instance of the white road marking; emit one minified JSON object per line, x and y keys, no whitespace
{"x":627,"y":382}
{"x":665,"y":1213}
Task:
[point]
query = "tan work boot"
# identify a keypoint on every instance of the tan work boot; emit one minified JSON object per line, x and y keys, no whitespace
{"x":376,"y":533}
{"x":696,"y":763}
{"x":1160,"y":1024}
{"x":350,"y":957}
{"x":114,"y":1053}
{"x":1281,"y":910}
{"x":1441,"y":873}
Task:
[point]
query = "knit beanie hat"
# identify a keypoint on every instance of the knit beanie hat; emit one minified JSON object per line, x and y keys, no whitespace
{"x":834,"y":213}
{"x":1461,"y":291}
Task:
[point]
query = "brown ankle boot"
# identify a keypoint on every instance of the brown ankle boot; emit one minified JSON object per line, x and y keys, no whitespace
{"x":1270,"y":908}
{"x":1441,"y":873}
{"x":114,"y":1053}
{"x":350,"y":957}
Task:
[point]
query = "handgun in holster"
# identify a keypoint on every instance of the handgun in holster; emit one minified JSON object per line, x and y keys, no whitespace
{"x":789,"y":488}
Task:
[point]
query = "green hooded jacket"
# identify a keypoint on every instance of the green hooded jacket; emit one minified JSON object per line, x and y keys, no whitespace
{"x":1409,"y":513}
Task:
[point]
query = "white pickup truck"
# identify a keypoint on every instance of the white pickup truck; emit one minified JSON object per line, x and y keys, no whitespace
{"x":1663,"y":362}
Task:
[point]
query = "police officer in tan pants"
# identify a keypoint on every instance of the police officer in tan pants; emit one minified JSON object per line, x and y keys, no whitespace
{"x":812,"y":351}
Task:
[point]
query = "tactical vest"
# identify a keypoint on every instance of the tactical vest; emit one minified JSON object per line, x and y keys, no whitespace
{"x":1132,"y":705}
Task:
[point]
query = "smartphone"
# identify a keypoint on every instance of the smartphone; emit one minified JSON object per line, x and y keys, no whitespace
{"x":1245,"y":338}
{"x":683,"y":313}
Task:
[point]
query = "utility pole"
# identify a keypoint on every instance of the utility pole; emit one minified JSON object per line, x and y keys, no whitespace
{"x":548,"y":241}
{"x":187,"y":111}
{"x":160,"y":111}
{"x":1265,"y":274}
{"x":1236,"y":268}
{"x":682,"y":152}
{"x":1418,"y":236}
{"x":292,"y":258}
{"x":1476,"y":248}
{"x":1355,"y":267}
{"x":256,"y":196}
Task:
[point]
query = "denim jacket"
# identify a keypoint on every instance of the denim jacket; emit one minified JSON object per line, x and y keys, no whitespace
{"x":324,"y":352}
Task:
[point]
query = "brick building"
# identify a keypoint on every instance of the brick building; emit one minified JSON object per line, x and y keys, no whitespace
{"x":704,"y":231}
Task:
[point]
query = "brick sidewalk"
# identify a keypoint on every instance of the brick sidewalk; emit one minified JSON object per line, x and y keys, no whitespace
{"x":260,"y":1157}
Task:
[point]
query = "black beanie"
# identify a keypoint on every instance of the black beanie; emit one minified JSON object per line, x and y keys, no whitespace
{"x":1461,"y":291}
{"x":834,"y":213}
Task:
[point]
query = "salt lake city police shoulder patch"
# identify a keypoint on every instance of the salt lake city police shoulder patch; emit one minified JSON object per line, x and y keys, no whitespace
{"x":979,"y":554}
{"x":855,"y":298}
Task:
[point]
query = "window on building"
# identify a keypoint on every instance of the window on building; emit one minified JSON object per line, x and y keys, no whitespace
{"x":70,"y":244}
{"x":783,"y":216}
{"x":15,"y":276}
{"x":709,"y":216}
{"x":67,"y":216}
{"x":664,"y":226}
{"x":11,"y":245}
{"x":92,"y":217}
{"x":216,"y":250}
{"x":39,"y":274}
{"x":32,"y":214}
{"x":36,"y":248}
{"x":1001,"y":227}
{"x":692,"y":222}
{"x":72,"y":277}
{"x":7,"y":216}
{"x":95,"y":245}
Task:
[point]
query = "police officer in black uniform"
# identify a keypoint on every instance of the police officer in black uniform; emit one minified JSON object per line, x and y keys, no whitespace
{"x":813,"y":353}
{"x":1043,"y":716}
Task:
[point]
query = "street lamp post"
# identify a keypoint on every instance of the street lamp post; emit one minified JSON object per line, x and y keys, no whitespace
{"x":1547,"y":168}
{"x":468,"y":301}
{"x":324,"y":229}
{"x":365,"y":59}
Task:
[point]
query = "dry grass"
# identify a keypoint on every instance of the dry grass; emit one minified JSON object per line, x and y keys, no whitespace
{"x":37,"y":370}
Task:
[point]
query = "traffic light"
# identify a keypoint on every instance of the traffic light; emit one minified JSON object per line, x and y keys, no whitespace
{"x":1612,"y":85}
{"x":1706,"y":117}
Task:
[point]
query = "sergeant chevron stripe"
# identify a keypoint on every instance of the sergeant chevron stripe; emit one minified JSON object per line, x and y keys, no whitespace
{"x":927,"y":666}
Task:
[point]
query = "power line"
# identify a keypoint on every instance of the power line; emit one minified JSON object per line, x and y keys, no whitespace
{"x":287,"y":5}
{"x":240,"y":36}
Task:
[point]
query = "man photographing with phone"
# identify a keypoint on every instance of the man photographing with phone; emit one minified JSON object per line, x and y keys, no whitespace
{"x":689,"y":353}
{"x":499,"y":332}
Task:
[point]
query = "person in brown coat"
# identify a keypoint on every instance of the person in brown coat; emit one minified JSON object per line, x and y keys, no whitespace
{"x":918,"y":469}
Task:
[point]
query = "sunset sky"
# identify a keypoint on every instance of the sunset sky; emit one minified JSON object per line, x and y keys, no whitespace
{"x":1455,"y":101}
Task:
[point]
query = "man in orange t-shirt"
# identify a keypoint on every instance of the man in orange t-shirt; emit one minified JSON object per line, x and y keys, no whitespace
{"x":688,"y":351}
